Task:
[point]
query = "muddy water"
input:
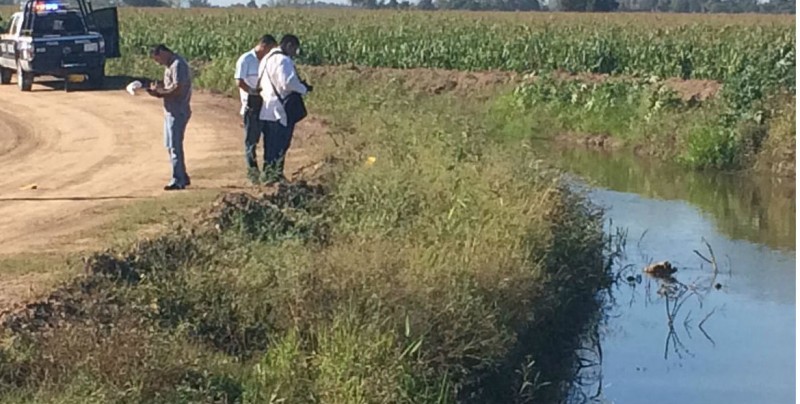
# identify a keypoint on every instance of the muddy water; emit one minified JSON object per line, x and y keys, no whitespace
{"x":706,"y":336}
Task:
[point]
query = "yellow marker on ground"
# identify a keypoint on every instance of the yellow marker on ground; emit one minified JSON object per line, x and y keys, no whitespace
{"x":30,"y":186}
{"x":370,"y":160}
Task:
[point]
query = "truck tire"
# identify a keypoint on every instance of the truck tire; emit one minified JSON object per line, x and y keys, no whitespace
{"x":97,"y":77}
{"x":5,"y":75}
{"x":24,"y":79}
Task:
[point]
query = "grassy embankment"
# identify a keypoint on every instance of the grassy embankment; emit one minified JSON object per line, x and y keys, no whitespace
{"x":449,"y":269}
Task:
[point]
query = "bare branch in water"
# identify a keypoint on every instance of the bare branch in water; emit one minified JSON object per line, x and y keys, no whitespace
{"x":706,"y":317}
{"x":701,"y":256}
{"x":639,"y":243}
{"x":713,"y":261}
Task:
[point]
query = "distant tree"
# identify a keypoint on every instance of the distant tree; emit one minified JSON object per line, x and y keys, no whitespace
{"x":252,"y":4}
{"x":369,"y":4}
{"x":602,"y":5}
{"x":571,"y":5}
{"x":679,"y":6}
{"x":145,"y":3}
{"x":426,"y":5}
{"x":779,"y":6}
{"x":199,"y":4}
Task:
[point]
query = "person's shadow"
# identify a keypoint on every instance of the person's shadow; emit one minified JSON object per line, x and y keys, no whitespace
{"x":110,"y":83}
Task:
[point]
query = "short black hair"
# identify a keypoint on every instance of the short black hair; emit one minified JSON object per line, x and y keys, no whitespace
{"x":268,"y":40}
{"x":157,"y":49}
{"x":290,"y":39}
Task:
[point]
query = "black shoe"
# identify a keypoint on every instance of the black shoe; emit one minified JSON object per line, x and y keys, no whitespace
{"x":188,"y":181}
{"x":173,"y":187}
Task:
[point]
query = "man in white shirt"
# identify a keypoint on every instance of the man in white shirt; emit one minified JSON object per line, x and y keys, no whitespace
{"x":281,"y":76}
{"x":247,"y":72}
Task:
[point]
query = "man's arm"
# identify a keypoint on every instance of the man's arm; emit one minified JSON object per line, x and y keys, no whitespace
{"x":240,"y":75}
{"x":181,"y":75}
{"x":243,"y":86}
{"x":288,"y":79}
{"x":164,"y":92}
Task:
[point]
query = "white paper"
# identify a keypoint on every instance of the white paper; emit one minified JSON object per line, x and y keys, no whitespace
{"x":133,"y":86}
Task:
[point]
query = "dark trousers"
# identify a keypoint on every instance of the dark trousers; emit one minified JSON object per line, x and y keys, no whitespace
{"x":278,"y":140}
{"x":253,"y":131}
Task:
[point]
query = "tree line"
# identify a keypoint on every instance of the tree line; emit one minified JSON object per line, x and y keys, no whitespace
{"x":677,"y":6}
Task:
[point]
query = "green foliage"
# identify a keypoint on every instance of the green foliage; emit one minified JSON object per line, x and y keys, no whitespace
{"x":445,"y":255}
{"x":617,"y":107}
{"x":714,"y":147}
{"x":680,"y":47}
{"x":723,"y":134}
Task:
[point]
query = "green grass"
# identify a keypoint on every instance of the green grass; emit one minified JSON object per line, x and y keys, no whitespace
{"x":430,"y":275}
{"x":725,"y":132}
{"x":707,"y":47}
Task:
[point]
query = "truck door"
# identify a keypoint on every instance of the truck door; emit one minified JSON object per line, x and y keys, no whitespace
{"x":8,"y":42}
{"x":105,"y":22}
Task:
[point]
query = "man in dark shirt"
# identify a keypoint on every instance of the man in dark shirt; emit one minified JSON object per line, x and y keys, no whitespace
{"x":176,"y":91}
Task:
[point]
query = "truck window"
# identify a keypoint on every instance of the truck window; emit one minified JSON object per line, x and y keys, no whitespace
{"x":58,"y":24}
{"x":13,"y":26}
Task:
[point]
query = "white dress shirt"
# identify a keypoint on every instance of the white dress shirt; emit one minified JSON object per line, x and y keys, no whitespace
{"x":280,"y":69}
{"x":247,"y":70}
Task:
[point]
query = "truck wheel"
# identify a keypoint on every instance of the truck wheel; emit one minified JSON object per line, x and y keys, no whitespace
{"x":24,"y":79}
{"x":5,"y":75}
{"x":97,"y":77}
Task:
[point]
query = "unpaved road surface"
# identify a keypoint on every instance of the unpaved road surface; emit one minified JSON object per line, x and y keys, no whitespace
{"x":83,"y":149}
{"x":87,"y":151}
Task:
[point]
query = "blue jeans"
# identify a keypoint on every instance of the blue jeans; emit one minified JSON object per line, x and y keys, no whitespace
{"x":278,"y":140}
{"x":174,"y":130}
{"x":253,"y":129}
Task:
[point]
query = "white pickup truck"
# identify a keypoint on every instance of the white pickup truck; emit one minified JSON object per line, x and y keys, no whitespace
{"x":51,"y":38}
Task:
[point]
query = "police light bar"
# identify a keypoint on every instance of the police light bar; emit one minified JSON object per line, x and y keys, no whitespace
{"x":46,"y":6}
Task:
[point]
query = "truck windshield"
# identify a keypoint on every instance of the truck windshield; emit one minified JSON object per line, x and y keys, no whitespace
{"x":58,"y":24}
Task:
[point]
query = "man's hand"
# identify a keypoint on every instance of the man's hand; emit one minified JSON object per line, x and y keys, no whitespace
{"x":309,"y":87}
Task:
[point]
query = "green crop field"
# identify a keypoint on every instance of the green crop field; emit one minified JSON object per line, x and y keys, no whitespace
{"x":705,"y":47}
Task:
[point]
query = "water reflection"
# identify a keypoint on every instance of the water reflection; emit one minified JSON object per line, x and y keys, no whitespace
{"x":759,"y":209}
{"x":720,"y":330}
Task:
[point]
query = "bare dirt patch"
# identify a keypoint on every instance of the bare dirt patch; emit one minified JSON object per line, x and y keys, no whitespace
{"x":430,"y":81}
{"x":438,"y":81}
{"x":72,"y":161}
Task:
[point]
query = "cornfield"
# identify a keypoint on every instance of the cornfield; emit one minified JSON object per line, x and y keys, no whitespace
{"x":699,"y":47}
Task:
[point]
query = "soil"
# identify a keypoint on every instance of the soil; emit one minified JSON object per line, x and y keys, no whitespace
{"x":697,"y":89}
{"x":64,"y":157}
{"x":437,"y":81}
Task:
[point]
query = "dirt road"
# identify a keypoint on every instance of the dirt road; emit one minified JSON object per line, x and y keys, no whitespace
{"x":89,"y":148}
{"x":88,"y":151}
